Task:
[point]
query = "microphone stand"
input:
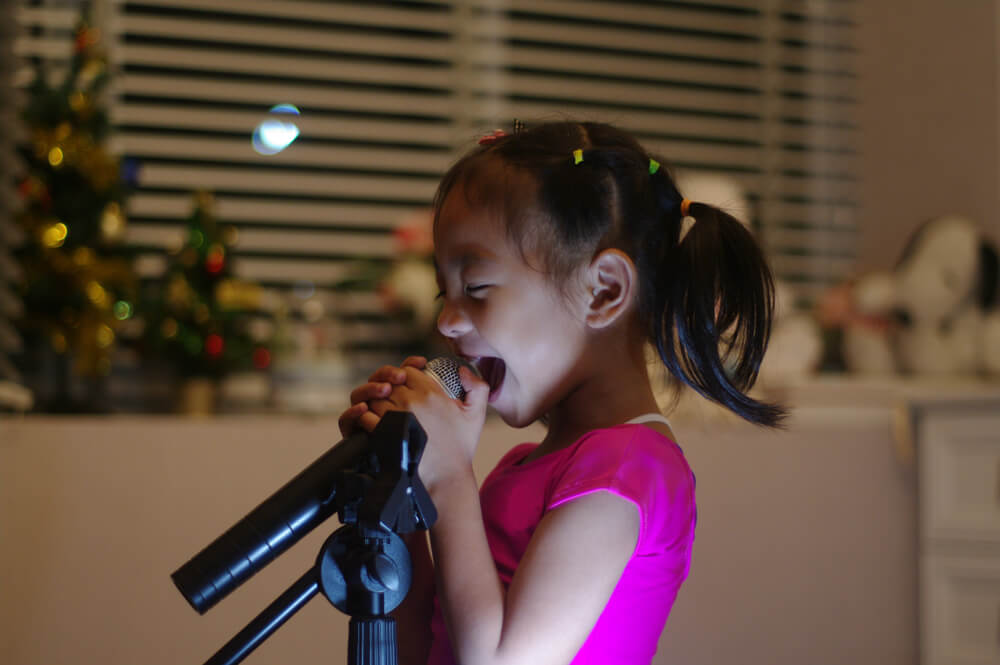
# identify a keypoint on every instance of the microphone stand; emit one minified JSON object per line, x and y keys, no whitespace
{"x":363,"y":568}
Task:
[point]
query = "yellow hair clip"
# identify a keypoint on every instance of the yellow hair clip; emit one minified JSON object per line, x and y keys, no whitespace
{"x":577,"y":156}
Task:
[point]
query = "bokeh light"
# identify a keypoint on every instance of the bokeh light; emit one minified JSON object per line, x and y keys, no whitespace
{"x":277,"y":131}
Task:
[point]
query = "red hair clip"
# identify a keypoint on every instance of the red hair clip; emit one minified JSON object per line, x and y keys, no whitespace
{"x":490,"y":138}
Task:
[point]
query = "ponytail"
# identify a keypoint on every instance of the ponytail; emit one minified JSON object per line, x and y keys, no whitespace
{"x":710,"y":309}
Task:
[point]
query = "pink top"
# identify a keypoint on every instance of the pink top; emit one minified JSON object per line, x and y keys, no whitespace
{"x":632,"y":461}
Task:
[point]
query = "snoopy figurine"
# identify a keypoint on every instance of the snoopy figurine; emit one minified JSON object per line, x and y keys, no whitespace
{"x":946,"y":288}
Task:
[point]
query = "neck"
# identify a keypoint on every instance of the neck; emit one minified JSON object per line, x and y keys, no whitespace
{"x":616,"y":389}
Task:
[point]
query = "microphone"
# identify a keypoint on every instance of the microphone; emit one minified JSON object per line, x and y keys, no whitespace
{"x":317,"y":492}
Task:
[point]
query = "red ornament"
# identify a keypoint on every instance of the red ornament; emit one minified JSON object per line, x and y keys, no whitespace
{"x":83,"y":40}
{"x":213,"y":345}
{"x":214,"y":262}
{"x":261,"y":358}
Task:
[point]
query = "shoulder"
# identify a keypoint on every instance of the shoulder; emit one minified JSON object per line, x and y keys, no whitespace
{"x":635,"y":463}
{"x":622,"y":456}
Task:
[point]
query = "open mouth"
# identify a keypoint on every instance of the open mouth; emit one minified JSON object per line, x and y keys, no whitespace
{"x":493,"y":371}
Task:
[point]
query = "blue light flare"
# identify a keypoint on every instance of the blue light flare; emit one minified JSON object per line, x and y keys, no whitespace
{"x":276,"y":133}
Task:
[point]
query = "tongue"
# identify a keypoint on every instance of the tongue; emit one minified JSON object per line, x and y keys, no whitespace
{"x":493,"y":370}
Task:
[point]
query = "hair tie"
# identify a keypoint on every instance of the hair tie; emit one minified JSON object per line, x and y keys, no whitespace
{"x":654,"y":166}
{"x":685,"y":206}
{"x":577,"y":156}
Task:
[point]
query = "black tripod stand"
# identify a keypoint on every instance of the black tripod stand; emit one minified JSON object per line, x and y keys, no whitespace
{"x":363,"y":569}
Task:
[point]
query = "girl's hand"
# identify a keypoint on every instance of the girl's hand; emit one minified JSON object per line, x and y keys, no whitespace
{"x":359,"y":416}
{"x":453,"y":427}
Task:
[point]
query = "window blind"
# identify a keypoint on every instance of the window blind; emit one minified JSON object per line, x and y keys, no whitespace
{"x":761,"y":91}
{"x":389,"y":93}
{"x":12,"y":395}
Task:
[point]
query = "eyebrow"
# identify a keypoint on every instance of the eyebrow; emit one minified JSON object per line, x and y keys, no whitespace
{"x":466,"y":256}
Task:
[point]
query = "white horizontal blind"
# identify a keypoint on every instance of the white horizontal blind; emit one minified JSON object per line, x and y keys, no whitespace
{"x":760,"y":91}
{"x":375,"y":86}
{"x":809,"y":204}
{"x":390,"y":92}
{"x":10,"y":305}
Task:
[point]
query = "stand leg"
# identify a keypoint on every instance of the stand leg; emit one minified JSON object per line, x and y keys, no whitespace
{"x":268,"y":621}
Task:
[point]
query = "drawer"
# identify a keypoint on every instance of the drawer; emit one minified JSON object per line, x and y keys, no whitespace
{"x":960,"y":610}
{"x":959,"y":466}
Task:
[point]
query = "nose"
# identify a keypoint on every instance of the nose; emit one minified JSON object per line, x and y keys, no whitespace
{"x":452,"y":321}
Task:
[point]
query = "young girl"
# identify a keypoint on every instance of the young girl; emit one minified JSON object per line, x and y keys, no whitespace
{"x":560,"y":254}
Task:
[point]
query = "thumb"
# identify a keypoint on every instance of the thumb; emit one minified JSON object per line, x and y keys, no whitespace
{"x":476,"y":390}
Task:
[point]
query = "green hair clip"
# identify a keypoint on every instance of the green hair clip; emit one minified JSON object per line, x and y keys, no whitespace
{"x":654,"y":166}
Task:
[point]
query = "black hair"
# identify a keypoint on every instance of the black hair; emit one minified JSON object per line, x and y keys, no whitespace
{"x":705,"y":299}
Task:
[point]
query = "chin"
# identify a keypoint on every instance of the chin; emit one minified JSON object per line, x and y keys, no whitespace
{"x":519,"y":421}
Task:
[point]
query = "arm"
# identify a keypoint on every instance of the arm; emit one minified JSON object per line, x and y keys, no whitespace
{"x":570,"y":569}
{"x":413,"y":616}
{"x":561,"y":586}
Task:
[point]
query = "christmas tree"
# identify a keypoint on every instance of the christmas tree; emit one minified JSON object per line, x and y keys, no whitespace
{"x":200,"y":317}
{"x":78,"y":284}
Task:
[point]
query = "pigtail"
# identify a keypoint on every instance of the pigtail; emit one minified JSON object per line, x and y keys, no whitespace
{"x":716,"y":295}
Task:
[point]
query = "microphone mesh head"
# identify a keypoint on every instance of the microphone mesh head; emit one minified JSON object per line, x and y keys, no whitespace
{"x":444,"y":370}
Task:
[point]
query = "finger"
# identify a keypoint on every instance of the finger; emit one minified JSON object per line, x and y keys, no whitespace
{"x":415,"y":361}
{"x":348,"y":421}
{"x":477,"y":391}
{"x":368,"y":421}
{"x":388,"y":373}
{"x":369,"y":391}
{"x":381,"y":406}
{"x":416,"y":377}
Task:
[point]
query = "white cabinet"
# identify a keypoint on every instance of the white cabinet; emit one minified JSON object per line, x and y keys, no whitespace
{"x":958,"y":456}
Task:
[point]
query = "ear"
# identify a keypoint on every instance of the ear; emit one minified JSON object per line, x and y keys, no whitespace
{"x":613,"y":282}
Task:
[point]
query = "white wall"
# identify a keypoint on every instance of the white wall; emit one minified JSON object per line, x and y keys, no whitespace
{"x":804,"y":553}
{"x":930,"y":117}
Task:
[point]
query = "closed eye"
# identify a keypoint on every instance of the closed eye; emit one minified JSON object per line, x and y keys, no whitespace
{"x":471,"y":289}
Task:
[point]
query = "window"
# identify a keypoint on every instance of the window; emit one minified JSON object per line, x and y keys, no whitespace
{"x":388,"y":93}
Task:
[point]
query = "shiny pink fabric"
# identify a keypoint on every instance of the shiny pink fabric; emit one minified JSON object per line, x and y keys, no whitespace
{"x":631,"y":461}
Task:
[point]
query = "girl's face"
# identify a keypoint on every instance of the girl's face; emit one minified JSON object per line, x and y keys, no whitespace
{"x":504,"y":315}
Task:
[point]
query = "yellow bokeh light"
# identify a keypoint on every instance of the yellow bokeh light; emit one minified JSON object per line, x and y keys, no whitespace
{"x":97,"y":294}
{"x":77,"y":101}
{"x":56,"y":156}
{"x":225,"y":293}
{"x":54,"y":235}
{"x":112,"y":221}
{"x":105,"y":336}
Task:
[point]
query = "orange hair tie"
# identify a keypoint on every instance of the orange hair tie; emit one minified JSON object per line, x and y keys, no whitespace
{"x":685,"y":204}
